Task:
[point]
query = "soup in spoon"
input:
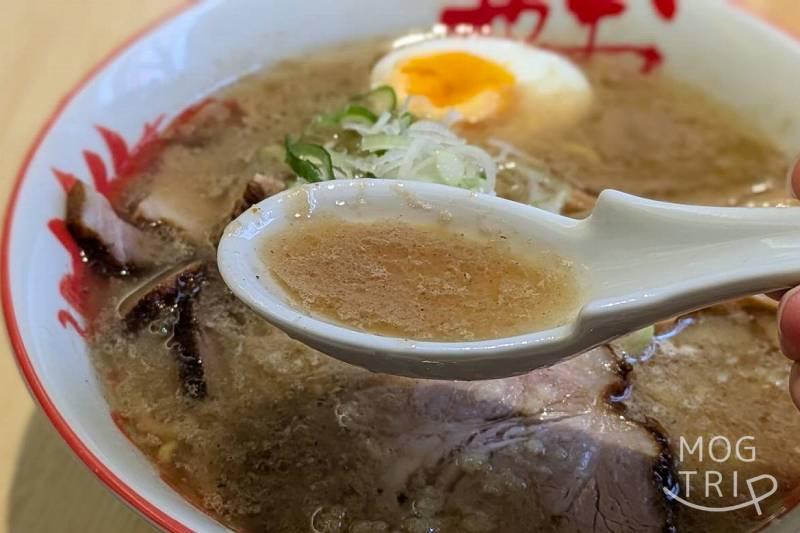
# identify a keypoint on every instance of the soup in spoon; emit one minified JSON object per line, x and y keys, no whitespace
{"x":422,"y":281}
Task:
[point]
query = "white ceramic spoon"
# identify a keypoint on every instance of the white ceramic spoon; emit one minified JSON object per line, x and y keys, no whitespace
{"x":645,"y":261}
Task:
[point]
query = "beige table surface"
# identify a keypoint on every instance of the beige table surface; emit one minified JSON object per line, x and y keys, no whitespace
{"x":45,"y":48}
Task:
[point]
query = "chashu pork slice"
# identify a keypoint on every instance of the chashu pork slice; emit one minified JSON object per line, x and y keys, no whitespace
{"x":109,"y":242}
{"x":201,"y":218}
{"x":540,"y":452}
{"x":199,"y":178}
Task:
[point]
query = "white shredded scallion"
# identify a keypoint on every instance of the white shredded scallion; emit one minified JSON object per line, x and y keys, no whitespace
{"x":398,"y":147}
{"x":425,"y":150}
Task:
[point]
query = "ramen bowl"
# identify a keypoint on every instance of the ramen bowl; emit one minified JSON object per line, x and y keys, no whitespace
{"x":97,"y":134}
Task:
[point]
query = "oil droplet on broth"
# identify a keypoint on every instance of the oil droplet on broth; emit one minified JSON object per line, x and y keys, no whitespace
{"x":425,"y":282}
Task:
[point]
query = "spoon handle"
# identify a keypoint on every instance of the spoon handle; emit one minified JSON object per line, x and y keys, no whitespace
{"x":659,"y":259}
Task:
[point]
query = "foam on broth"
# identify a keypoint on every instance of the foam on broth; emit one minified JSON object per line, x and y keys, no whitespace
{"x":425,"y":282}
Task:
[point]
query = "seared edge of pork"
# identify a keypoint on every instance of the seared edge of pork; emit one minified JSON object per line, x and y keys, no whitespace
{"x":664,"y":464}
{"x":109,"y":243}
{"x":189,"y":347}
{"x":260,"y":187}
{"x":161,"y":293}
{"x":172,"y":292}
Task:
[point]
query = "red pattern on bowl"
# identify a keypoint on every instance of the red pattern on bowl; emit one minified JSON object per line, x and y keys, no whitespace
{"x":590,"y":13}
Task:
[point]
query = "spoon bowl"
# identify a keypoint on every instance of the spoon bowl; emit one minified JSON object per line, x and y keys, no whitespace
{"x":642,"y":261}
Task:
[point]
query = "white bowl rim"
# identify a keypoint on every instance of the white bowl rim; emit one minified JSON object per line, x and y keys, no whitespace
{"x":104,"y":473}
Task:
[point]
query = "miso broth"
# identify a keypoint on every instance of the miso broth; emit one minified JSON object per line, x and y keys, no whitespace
{"x":426,"y":282}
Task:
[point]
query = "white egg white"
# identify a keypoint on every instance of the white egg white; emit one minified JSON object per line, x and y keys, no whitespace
{"x":548,"y":84}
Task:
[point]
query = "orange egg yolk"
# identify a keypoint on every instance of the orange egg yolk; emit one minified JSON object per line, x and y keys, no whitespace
{"x":451,"y":78}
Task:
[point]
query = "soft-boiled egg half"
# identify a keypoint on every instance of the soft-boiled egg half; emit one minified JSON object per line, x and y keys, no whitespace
{"x":483,"y":77}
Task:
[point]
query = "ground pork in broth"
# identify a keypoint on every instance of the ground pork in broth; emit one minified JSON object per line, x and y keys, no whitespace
{"x":283,"y":438}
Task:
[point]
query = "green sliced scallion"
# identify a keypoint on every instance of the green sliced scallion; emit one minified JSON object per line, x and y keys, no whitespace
{"x":311,"y":162}
{"x":379,"y":100}
{"x":353,"y":113}
{"x":406,"y":119}
{"x":358,"y":114}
